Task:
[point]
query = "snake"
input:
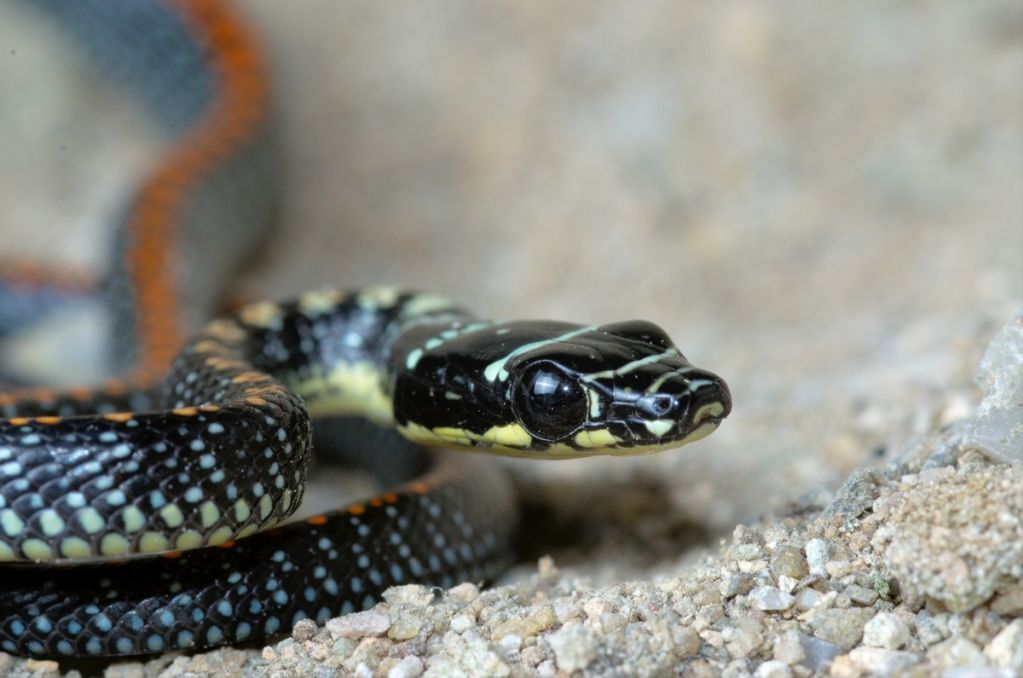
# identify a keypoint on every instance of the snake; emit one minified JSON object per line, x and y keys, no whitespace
{"x":158,"y":514}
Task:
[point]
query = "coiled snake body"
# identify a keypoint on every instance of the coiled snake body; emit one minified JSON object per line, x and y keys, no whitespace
{"x":139,"y":522}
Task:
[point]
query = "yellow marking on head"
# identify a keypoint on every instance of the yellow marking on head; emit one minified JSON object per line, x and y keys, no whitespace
{"x":509,"y":435}
{"x":19,"y":421}
{"x":36,"y":549}
{"x":709,"y":410}
{"x":598,"y":439}
{"x":119,"y":417}
{"x":658,"y":427}
{"x":48,"y":420}
{"x":209,"y":408}
{"x":263,"y":314}
{"x":185,"y":411}
{"x":255,"y":401}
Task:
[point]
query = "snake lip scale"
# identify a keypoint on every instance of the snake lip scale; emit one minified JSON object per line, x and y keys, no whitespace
{"x":142,"y":520}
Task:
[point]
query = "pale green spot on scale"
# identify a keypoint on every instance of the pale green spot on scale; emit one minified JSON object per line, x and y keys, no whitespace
{"x":265,"y":507}
{"x":75,"y":548}
{"x":209,"y":514}
{"x":189,"y":539}
{"x":413,"y":358}
{"x":36,"y":549}
{"x":51,"y":523}
{"x":451,"y":395}
{"x":246,"y":531}
{"x":659,"y":427}
{"x":427,"y":302}
{"x":318,"y":302}
{"x":133,"y":519}
{"x":114,"y":545}
{"x":242,"y":511}
{"x":286,"y":499}
{"x":172,"y":516}
{"x":153,"y":542}
{"x":10,"y":522}
{"x":6,"y":553}
{"x":378,"y":296}
{"x":219,"y":536}
{"x":90,"y":520}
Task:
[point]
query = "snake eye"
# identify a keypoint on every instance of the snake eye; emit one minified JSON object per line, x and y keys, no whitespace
{"x":548,"y":403}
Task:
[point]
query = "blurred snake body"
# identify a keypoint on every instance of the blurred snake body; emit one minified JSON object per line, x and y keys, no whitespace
{"x":141,"y":521}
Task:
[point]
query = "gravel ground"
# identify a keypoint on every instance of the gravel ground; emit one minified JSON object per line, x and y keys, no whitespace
{"x":823,"y":203}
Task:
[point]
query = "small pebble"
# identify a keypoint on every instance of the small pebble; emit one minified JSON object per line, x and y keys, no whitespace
{"x":843,"y":627}
{"x":886,"y":630}
{"x":1006,"y":649}
{"x":359,"y":625}
{"x":881,"y":662}
{"x":861,"y":595}
{"x":817,"y":553}
{"x":770,"y":598}
{"x":407,"y":667}
{"x":773,"y":669}
{"x":807,"y":599}
{"x":788,"y":561}
{"x":304,"y":629}
{"x":788,"y":648}
{"x":574,"y":647}
{"x":410,"y":594}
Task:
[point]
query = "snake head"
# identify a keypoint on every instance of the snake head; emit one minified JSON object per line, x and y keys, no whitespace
{"x":552,"y":390}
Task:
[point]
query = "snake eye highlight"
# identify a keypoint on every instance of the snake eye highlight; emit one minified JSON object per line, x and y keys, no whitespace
{"x":548,"y":403}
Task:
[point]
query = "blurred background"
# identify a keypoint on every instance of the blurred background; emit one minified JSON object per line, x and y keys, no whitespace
{"x":822,"y":202}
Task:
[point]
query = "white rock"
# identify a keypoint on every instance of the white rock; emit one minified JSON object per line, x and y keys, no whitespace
{"x":1006,"y":649}
{"x":359,"y":625}
{"x":574,"y":647}
{"x":770,"y":598}
{"x":409,"y":667}
{"x":773,"y":669}
{"x":885,"y":630}
{"x":882,"y":662}
{"x":817,"y":553}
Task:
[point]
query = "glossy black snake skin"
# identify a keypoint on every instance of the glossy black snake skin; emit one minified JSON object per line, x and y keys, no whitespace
{"x":225,"y":452}
{"x":137,"y":522}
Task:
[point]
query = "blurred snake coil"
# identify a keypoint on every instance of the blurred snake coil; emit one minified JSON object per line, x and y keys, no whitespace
{"x":138,"y":521}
